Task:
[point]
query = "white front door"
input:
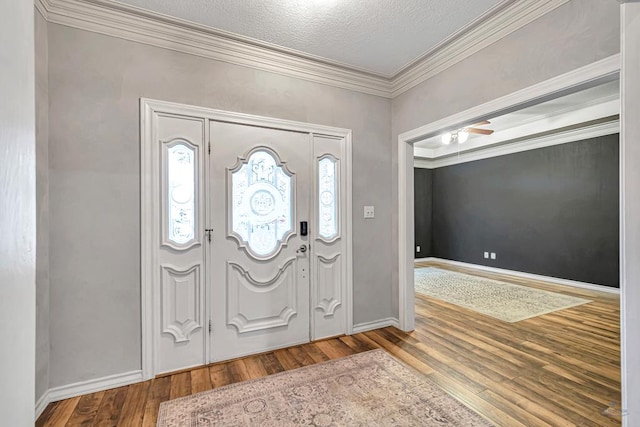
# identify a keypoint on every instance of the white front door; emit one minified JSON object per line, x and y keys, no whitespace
{"x":259,"y":197}
{"x":226,"y":268}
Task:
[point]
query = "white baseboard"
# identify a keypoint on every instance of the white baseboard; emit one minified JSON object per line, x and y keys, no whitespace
{"x":424,"y":259}
{"x":520,"y":274}
{"x":85,"y":387}
{"x":42,"y":403}
{"x":375,"y":324}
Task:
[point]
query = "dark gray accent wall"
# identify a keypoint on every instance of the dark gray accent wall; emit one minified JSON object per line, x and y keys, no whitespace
{"x":423,"y":191}
{"x":552,"y":211}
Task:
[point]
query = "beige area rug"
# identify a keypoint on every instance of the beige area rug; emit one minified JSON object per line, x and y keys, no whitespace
{"x":504,"y":301}
{"x":366,"y":389}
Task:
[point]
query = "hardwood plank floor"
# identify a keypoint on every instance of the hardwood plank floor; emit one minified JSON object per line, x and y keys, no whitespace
{"x":558,"y":369}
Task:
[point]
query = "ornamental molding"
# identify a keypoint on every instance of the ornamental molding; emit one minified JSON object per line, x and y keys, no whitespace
{"x":336,"y":198}
{"x":328,"y":291}
{"x":556,"y":138}
{"x":184,"y":285}
{"x":243,"y":291}
{"x":282,"y":241}
{"x":261,"y":283}
{"x":139,"y":25}
{"x":165,"y":198}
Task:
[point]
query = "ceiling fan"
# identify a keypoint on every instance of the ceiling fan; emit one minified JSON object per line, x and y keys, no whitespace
{"x":461,"y":135}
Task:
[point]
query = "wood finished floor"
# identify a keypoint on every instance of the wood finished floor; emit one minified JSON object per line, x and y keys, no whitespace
{"x":558,"y":369}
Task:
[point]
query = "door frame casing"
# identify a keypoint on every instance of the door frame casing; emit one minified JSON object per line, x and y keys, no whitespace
{"x":149,"y":193}
{"x":598,"y":72}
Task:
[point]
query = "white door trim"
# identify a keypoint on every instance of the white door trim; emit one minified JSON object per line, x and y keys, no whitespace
{"x":149,"y":192}
{"x":598,"y":72}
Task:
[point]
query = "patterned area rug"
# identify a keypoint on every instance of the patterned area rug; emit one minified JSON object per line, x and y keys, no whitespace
{"x":504,"y":301}
{"x":366,"y":389}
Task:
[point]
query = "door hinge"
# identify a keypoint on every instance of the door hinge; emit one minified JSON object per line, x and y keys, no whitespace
{"x":209,"y":147}
{"x":208,"y":232}
{"x":210,"y":326}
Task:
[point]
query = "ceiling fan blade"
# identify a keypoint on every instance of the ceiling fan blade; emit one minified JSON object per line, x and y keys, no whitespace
{"x":484,"y":122}
{"x":479,"y":131}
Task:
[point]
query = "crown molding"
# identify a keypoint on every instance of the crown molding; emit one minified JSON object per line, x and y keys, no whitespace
{"x":557,"y":121}
{"x":135,"y":24}
{"x":129,"y":23}
{"x":42,"y":6}
{"x":495,"y":25}
{"x":593,"y":131}
{"x":602,"y":71}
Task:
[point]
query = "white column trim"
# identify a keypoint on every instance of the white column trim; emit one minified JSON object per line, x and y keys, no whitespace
{"x":630,"y":211}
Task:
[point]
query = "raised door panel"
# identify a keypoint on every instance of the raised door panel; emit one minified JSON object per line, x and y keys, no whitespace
{"x":181,"y":313}
{"x":259,"y":305}
{"x":328,"y":285}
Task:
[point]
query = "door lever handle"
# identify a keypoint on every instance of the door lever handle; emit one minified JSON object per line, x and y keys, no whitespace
{"x":302,"y":249}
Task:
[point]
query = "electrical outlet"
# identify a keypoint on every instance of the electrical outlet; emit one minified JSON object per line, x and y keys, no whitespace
{"x":417,"y":248}
{"x":493,"y":255}
{"x":369,"y":212}
{"x":486,"y":255}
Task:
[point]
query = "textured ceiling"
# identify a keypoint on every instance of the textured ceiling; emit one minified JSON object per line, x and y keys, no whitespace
{"x":379,"y":36}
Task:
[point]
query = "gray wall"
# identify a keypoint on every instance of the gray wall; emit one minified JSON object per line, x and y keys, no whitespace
{"x":423,"y":211}
{"x":552,"y":211}
{"x":42,"y":205}
{"x":17,"y":213}
{"x":95,"y":82}
{"x":575,"y":34}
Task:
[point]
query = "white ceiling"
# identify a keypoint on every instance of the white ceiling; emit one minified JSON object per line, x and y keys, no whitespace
{"x":567,"y":111}
{"x":378,"y":36}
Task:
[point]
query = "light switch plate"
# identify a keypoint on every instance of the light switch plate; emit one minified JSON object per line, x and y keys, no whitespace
{"x":369,"y":212}
{"x":493,"y":255}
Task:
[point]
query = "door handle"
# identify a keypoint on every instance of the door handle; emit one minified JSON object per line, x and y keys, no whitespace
{"x":302,"y":249}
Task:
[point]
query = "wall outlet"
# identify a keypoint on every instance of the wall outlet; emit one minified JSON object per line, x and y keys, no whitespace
{"x":493,"y":255}
{"x":369,"y":212}
{"x":486,"y":255}
{"x":417,"y":248}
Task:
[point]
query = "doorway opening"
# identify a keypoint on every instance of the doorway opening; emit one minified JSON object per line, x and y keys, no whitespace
{"x":441,"y":317}
{"x":593,"y":75}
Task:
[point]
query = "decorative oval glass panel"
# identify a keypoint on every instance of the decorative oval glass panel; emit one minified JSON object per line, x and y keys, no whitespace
{"x":327,"y":198}
{"x":181,"y":193}
{"x":262,"y":203}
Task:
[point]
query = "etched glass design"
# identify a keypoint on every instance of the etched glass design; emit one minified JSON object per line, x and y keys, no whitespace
{"x":328,"y":203}
{"x":181,"y":193}
{"x":261,"y":203}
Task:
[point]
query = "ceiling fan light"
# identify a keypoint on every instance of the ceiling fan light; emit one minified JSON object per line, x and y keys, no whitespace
{"x":462,"y":136}
{"x":446,"y":138}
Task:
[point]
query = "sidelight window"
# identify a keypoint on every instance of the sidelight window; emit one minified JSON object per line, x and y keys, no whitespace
{"x":181,"y":193}
{"x":327,"y":198}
